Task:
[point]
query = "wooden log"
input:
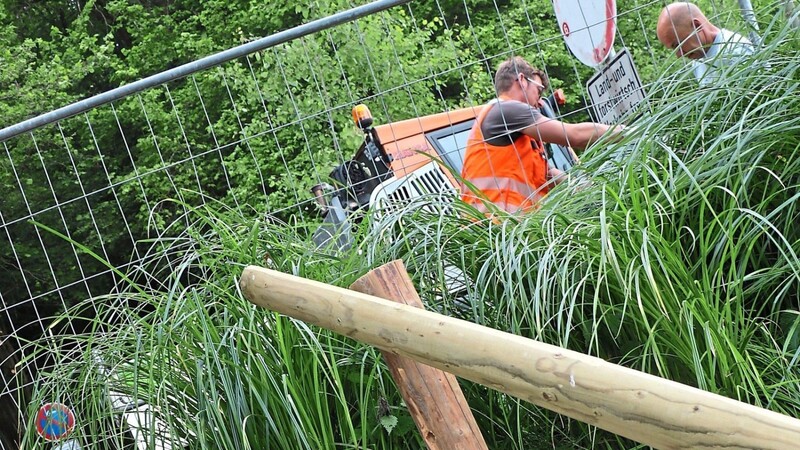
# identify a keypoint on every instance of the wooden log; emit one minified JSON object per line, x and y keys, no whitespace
{"x":434,"y":398}
{"x":657,"y":412}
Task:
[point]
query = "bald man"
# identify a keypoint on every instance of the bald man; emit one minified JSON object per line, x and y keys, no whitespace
{"x":684,"y":28}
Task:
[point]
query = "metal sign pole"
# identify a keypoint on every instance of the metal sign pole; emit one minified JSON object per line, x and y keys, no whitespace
{"x":750,"y":18}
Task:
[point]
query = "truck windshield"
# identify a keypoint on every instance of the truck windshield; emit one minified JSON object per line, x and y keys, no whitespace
{"x":450,"y":143}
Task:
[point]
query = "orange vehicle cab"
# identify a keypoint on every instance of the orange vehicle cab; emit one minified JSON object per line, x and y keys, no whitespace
{"x":413,"y":143}
{"x":430,"y":148}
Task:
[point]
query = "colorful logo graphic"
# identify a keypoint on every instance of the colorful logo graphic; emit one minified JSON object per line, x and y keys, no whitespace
{"x":54,"y":421}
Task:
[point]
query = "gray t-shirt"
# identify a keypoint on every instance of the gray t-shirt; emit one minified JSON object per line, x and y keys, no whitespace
{"x":726,"y":50}
{"x":505,"y":121}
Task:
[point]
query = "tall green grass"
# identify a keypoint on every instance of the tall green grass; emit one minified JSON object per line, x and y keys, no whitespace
{"x":218,"y":371}
{"x":674,"y":252}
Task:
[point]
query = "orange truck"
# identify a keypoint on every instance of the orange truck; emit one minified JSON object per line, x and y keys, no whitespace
{"x":404,"y":160}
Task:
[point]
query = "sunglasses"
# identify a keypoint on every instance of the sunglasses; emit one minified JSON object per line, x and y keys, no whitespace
{"x":538,"y":85}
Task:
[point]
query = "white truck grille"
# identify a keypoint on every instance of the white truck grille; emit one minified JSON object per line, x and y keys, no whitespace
{"x":427,"y":188}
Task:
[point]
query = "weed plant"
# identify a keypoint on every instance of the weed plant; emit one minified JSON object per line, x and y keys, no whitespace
{"x":674,"y":252}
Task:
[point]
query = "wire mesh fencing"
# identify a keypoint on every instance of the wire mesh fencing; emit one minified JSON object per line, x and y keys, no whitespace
{"x":92,"y":191}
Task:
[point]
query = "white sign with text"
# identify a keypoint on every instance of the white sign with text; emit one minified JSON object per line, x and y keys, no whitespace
{"x":616,"y":90}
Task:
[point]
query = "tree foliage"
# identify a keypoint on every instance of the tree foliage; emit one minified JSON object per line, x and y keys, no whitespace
{"x":260,"y":130}
{"x":257,"y":132}
{"x":248,"y":132}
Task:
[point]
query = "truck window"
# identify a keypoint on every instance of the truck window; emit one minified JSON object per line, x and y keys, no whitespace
{"x":451,"y":143}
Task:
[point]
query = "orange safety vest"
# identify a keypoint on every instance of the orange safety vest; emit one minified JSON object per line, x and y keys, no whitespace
{"x":513,"y":177}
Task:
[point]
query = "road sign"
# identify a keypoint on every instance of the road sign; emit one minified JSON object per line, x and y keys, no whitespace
{"x":54,"y":421}
{"x":616,"y":90}
{"x":588,"y":27}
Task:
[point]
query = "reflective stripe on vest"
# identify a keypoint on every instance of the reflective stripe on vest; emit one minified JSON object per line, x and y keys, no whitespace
{"x":513,"y":176}
{"x":502,"y":184}
{"x":483,"y":208}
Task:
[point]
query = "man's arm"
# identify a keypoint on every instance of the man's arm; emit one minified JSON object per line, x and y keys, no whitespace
{"x":576,"y":135}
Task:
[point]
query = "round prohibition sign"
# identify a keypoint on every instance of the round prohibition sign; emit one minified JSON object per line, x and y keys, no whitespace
{"x":54,"y":421}
{"x":588,"y":28}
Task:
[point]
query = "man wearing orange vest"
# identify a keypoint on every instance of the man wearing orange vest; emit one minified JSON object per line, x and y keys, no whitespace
{"x":505,"y":159}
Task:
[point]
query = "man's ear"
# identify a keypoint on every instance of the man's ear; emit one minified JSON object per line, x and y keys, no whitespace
{"x":697,"y":23}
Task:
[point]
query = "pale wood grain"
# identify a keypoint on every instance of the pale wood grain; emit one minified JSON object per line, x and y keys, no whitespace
{"x":433,"y":396}
{"x":642,"y":407}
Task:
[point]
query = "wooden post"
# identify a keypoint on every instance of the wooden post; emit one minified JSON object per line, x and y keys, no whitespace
{"x":433,"y":396}
{"x":648,"y":409}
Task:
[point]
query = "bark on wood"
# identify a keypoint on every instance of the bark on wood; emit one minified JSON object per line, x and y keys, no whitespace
{"x":657,"y":412}
{"x":434,"y":398}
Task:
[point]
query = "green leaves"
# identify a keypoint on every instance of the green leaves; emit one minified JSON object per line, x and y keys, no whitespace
{"x":388,"y":423}
{"x":676,"y":253}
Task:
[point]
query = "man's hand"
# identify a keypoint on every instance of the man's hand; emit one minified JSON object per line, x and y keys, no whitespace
{"x":555,"y":176}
